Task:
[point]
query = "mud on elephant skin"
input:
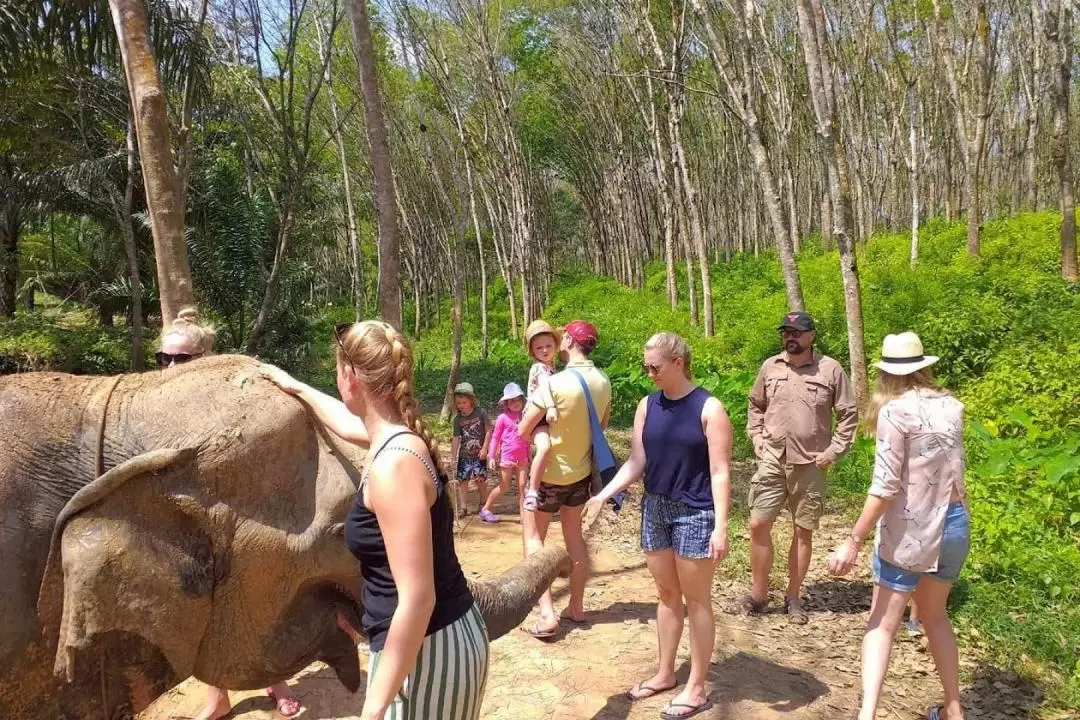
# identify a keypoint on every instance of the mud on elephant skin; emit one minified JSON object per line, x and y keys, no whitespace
{"x":175,"y":523}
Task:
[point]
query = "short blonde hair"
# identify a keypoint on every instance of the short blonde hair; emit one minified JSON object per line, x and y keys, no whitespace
{"x":383,"y":359}
{"x":187,"y":324}
{"x":673,"y":346}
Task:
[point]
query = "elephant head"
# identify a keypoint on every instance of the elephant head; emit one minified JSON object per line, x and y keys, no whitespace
{"x":212,"y":545}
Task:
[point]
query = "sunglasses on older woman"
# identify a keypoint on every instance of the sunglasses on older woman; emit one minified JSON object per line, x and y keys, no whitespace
{"x":165,"y":359}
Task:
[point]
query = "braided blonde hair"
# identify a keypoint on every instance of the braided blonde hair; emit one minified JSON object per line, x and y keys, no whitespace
{"x":187,"y":324}
{"x":382,"y":358}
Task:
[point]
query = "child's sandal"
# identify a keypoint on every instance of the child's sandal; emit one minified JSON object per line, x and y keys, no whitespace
{"x":532,"y":499}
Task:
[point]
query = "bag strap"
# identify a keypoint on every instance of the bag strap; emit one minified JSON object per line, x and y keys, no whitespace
{"x":602,"y":454}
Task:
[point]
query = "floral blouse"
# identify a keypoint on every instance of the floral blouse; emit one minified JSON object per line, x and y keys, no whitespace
{"x":919,"y":461}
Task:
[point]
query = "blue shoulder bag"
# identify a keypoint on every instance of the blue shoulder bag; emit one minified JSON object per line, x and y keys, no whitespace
{"x":603,"y":458}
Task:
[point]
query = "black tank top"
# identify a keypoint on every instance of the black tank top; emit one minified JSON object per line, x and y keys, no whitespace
{"x":379,"y":593}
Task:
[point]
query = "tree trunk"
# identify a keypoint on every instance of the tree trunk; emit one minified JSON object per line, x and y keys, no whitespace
{"x":381,"y":165}
{"x":1033,"y":89}
{"x":258,"y":330}
{"x":495,"y":223}
{"x":164,"y":191}
{"x":913,"y":170}
{"x":138,"y":357}
{"x":742,"y":100}
{"x":10,"y":227}
{"x":1059,"y":31}
{"x":815,"y":42}
{"x":696,"y":236}
{"x":971,"y":115}
{"x":455,"y":358}
{"x":356,"y":275}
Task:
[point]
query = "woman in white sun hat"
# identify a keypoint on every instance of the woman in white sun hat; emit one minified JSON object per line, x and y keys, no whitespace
{"x":917,"y":502}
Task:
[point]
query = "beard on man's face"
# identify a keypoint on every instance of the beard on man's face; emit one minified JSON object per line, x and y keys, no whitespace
{"x":794,"y":347}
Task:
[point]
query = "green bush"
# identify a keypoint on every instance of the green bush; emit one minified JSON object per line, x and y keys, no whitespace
{"x":66,"y":339}
{"x":1002,"y":324}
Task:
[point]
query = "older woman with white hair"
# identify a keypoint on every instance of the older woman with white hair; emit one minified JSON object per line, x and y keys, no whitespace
{"x":917,"y":502}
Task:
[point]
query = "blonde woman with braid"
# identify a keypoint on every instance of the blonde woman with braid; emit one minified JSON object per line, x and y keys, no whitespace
{"x":429,"y":645}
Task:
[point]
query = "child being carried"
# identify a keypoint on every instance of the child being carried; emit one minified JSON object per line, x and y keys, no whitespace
{"x":542,"y":342}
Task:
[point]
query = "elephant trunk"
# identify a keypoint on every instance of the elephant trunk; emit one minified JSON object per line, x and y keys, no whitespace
{"x":505,"y":601}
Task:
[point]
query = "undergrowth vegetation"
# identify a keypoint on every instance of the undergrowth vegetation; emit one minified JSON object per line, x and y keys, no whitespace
{"x":1003,"y":325}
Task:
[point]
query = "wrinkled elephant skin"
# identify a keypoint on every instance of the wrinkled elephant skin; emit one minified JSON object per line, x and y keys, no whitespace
{"x":175,"y":523}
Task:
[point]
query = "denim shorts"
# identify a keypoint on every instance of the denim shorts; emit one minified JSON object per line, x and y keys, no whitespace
{"x":954,"y":550}
{"x":667,"y":523}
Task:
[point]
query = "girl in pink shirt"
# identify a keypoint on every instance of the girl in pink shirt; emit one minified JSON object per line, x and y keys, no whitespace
{"x":508,"y":449}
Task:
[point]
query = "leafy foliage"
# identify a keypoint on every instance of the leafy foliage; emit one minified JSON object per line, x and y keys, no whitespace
{"x":1001,"y":325}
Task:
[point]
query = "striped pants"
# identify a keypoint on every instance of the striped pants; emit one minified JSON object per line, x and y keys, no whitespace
{"x":448,"y":680}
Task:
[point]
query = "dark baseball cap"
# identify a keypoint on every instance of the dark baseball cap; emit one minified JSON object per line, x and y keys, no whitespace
{"x":797,"y":321}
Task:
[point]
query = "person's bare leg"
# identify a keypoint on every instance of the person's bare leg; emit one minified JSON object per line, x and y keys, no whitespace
{"x":542,"y":442}
{"x":695,"y":579}
{"x":535,"y":529}
{"x":930,"y":597}
{"x":482,"y":491}
{"x":799,"y":554}
{"x":498,"y":490}
{"x":884,"y":621}
{"x":463,"y":497}
{"x":570,"y":519}
{"x":761,"y":558}
{"x":669,"y":622}
{"x":217,"y":704}
{"x":523,"y":483}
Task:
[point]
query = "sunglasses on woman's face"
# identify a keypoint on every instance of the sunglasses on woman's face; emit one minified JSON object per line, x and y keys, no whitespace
{"x":165,"y":359}
{"x":651,"y":369}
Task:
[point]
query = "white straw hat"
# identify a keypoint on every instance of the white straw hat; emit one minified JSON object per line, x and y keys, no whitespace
{"x":511,"y":391}
{"x":903,"y":354}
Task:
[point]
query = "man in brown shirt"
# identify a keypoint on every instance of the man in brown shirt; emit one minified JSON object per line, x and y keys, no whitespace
{"x":790,"y":424}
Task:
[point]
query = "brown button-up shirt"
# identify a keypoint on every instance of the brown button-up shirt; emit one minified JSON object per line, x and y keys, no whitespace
{"x":791,"y":409}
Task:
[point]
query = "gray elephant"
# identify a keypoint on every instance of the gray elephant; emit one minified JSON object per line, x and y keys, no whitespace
{"x":176,"y":523}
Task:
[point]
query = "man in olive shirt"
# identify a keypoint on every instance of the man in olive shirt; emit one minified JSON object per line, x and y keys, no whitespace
{"x":790,"y":424}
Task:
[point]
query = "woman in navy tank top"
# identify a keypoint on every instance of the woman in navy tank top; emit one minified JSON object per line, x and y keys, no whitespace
{"x":682,"y":446}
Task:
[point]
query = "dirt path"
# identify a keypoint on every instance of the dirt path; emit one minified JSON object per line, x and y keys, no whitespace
{"x":763,"y":667}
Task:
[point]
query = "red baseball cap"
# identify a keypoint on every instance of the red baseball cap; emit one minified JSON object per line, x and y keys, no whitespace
{"x":584,"y":334}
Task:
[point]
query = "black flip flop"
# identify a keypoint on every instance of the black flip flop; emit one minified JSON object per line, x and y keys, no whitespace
{"x":572,"y":621}
{"x":703,"y":707}
{"x":653,"y":692}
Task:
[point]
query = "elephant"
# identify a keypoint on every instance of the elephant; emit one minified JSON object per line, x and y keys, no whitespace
{"x":175,"y":523}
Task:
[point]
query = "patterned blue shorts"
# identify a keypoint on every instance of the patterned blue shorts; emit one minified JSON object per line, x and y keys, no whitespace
{"x":471,"y":469}
{"x":667,"y":523}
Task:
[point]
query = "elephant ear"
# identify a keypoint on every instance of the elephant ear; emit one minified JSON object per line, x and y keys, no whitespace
{"x":131,"y":552}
